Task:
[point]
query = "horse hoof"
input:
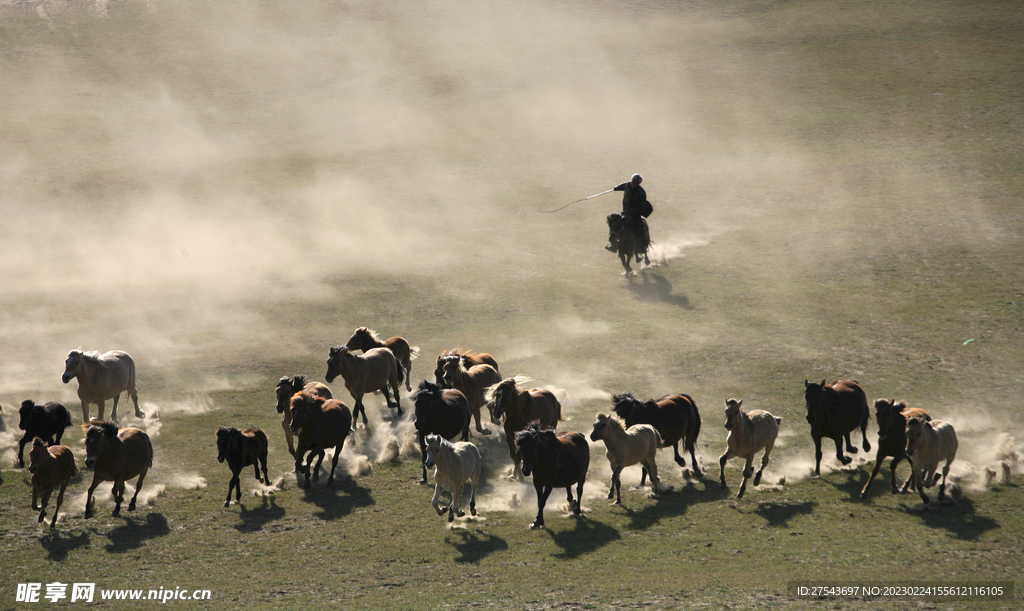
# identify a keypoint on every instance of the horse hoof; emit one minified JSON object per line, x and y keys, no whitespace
{"x":227,"y":503}
{"x":536,"y":525}
{"x":847,"y":460}
{"x":140,"y":414}
{"x":461,"y":513}
{"x":484,"y":431}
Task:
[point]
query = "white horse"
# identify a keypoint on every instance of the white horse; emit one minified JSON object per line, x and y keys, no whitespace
{"x":637,"y":444}
{"x":101,"y":377}
{"x":456,"y":463}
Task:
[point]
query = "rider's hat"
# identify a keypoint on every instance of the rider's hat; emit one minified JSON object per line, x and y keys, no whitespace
{"x":638,"y":178}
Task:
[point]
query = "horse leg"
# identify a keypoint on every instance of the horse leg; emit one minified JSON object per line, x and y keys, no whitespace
{"x":874,"y":471}
{"x":918,"y":475}
{"x":695,"y":466}
{"x":643,"y":477}
{"x":617,"y":483}
{"x":85,"y":412}
{"x":88,"y":496}
{"x":396,"y":386}
{"x":542,"y":499}
{"x":360,"y":408}
{"x":476,"y":418}
{"x":231,"y":485}
{"x":286,"y":424}
{"x":748,"y":470}
{"x":334,"y":464}
{"x":113,"y":410}
{"x":60,"y":501}
{"x":43,"y":502}
{"x":942,"y":488}
{"x":852,"y":449}
{"x":652,"y":468}
{"x":423,"y":460}
{"x":21,"y":453}
{"x":436,"y":501}
{"x":475,"y":482}
{"x":319,"y":461}
{"x":454,"y":507}
{"x":138,"y":488}
{"x":679,"y":457}
{"x":817,"y":456}
{"x":101,"y":406}
{"x":864,"y":434}
{"x":764,"y":462}
{"x":118,"y":492}
{"x":578,"y":510}
{"x":721,"y":463}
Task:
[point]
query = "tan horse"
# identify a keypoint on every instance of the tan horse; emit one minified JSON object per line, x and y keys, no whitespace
{"x":101,"y":377}
{"x":366,"y":339}
{"x":637,"y":444}
{"x":472,"y":383}
{"x":115,"y":457}
{"x":286,"y":389}
{"x":520,"y":408}
{"x":377,"y":369}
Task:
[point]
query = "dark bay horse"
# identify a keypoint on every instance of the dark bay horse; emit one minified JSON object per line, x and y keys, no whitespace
{"x":555,"y":461}
{"x":675,"y":417}
{"x":521,"y":407}
{"x":834,"y":411}
{"x":439,"y":411}
{"x":629,"y":244}
{"x":319,"y":424}
{"x":892,"y":417}
{"x":367,"y":339}
{"x":472,"y":382}
{"x":469,"y":359}
{"x":376,"y":369}
{"x":116,"y":456}
{"x":286,"y":389}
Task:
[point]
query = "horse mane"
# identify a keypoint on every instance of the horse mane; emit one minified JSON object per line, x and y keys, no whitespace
{"x":107,"y":428}
{"x":614,"y":419}
{"x":428,"y":388}
{"x":623,"y":396}
{"x":532,"y":431}
{"x":306,"y":399}
{"x":373,"y":334}
{"x":515,"y":382}
{"x":91,"y":355}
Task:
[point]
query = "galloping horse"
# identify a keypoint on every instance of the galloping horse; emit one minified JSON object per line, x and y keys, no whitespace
{"x":443,"y":412}
{"x":469,"y":359}
{"x":628,"y":243}
{"x":367,"y":339}
{"x":675,"y":417}
{"x":101,"y":377}
{"x":472,"y":383}
{"x":637,"y":444}
{"x":521,"y":407}
{"x":319,"y":424}
{"x":116,"y":456}
{"x":555,"y":461}
{"x":286,"y":389}
{"x":376,"y":369}
{"x":892,"y":419}
{"x":834,"y":411}
{"x":456,"y":463}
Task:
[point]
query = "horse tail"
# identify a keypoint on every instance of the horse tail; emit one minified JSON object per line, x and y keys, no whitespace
{"x":414,"y":351}
{"x":401,"y":373}
{"x":694,"y":428}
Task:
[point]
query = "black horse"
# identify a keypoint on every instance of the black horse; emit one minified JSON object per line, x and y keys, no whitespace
{"x":629,"y":243}
{"x":834,"y":411}
{"x":556,"y":461}
{"x":443,"y":412}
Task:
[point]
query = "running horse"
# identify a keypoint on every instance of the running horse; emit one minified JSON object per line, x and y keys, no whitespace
{"x":376,"y":369}
{"x":628,"y":245}
{"x":367,"y":339}
{"x":101,"y":377}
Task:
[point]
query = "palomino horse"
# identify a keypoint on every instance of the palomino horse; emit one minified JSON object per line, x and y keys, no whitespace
{"x":101,"y":377}
{"x":675,"y":417}
{"x":320,"y":424}
{"x":116,"y":456}
{"x":749,"y":433}
{"x":469,"y":359}
{"x":834,"y":411}
{"x":456,"y":463}
{"x":375,"y":370}
{"x":637,"y":444}
{"x":443,"y":412}
{"x":556,"y":461}
{"x":892,"y":419}
{"x":286,"y":389}
{"x":521,"y":407}
{"x":366,"y":339}
{"x":472,"y":383}
{"x":929,"y":443}
{"x":628,"y":244}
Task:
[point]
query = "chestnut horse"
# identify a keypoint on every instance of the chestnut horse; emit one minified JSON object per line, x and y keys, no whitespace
{"x":892,"y":419}
{"x":367,"y":339}
{"x":375,"y":370}
{"x":286,"y":389}
{"x":116,"y":456}
{"x":101,"y":377}
{"x":469,"y":359}
{"x":834,"y":411}
{"x":472,"y":383}
{"x":556,"y":461}
{"x":319,"y":424}
{"x":521,"y":407}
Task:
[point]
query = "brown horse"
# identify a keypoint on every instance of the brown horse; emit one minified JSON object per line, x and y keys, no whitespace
{"x":834,"y":411}
{"x":892,"y":417}
{"x":675,"y":417}
{"x":366,"y":339}
{"x":286,"y":389}
{"x":556,"y":461}
{"x":628,"y":244}
{"x":520,"y":408}
{"x":101,"y":377}
{"x":320,"y":424}
{"x":472,"y":383}
{"x":375,"y":370}
{"x":469,"y":359}
{"x":115,"y":457}
{"x":51,"y":468}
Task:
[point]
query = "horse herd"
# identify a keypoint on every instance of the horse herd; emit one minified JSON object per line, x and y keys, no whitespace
{"x":464,"y":383}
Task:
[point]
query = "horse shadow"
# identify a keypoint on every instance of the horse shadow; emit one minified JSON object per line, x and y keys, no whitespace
{"x":675,"y":502}
{"x":134,"y":533}
{"x":655,"y":288}
{"x":253,"y":520}
{"x":959,"y":519}
{"x":777,"y":513}
{"x":339,"y":500}
{"x":474,"y":547}
{"x":58,"y":545}
{"x":587,"y":536}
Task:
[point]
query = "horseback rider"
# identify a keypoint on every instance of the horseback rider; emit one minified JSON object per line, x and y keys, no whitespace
{"x":635,"y":208}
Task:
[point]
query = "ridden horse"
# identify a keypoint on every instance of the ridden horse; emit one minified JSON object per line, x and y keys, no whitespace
{"x":101,"y":377}
{"x":51,"y":468}
{"x":521,"y":407}
{"x":366,"y":339}
{"x":241,"y":449}
{"x":834,"y":411}
{"x":439,"y":411}
{"x":116,"y":456}
{"x":456,"y":463}
{"x":472,"y":383}
{"x":892,"y":419}
{"x":286,"y":389}
{"x":675,"y":417}
{"x":319,"y":424}
{"x":629,"y":244}
{"x":556,"y":461}
{"x":44,"y":421}
{"x":627,"y":446}
{"x":749,"y":432}
{"x":469,"y":359}
{"x":927,"y":444}
{"x":375,"y":370}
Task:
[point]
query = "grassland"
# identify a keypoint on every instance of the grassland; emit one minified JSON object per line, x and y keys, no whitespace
{"x":227,"y":192}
